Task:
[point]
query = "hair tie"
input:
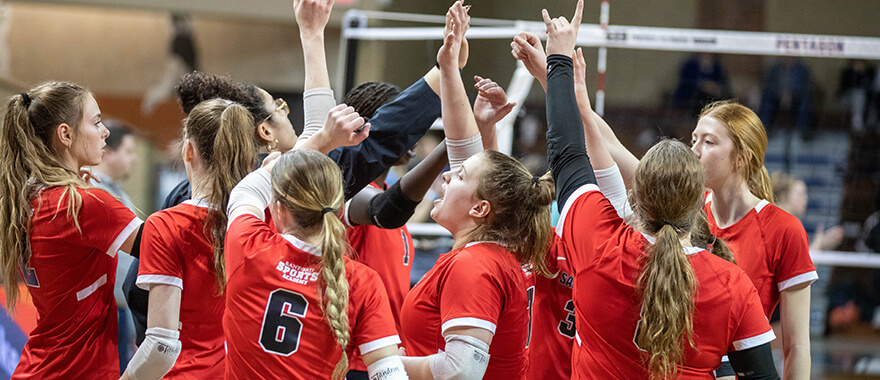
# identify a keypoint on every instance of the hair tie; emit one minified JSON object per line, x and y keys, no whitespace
{"x":26,"y":99}
{"x":535,"y":180}
{"x":326,"y":210}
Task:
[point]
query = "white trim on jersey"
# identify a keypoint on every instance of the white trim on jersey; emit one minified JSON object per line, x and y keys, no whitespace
{"x":808,"y":277}
{"x":760,"y":206}
{"x":687,"y":250}
{"x":468,"y":322}
{"x":301,"y":245}
{"x":126,"y":232}
{"x":755,"y":341}
{"x":146,"y":281}
{"x":567,"y":206}
{"x":473,"y":243}
{"x":198,"y":203}
{"x":379,"y":343}
{"x":577,"y":338}
{"x":88,"y":290}
{"x":725,"y":359}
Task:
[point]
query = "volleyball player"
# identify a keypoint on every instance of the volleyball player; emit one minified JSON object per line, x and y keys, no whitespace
{"x":471,"y":307}
{"x":647,"y":303}
{"x":770,"y":244}
{"x":181,"y":261}
{"x":61,"y":234}
{"x":296,"y":307}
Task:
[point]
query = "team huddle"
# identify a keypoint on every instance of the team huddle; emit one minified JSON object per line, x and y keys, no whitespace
{"x":285,"y":256}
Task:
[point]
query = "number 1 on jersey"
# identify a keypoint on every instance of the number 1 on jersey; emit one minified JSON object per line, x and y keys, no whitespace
{"x":281,"y":327}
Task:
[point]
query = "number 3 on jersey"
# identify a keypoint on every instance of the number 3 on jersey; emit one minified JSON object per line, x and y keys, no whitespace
{"x":281,"y":327}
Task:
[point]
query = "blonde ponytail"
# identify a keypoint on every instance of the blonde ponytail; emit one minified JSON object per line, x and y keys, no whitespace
{"x":669,"y":286}
{"x":221,"y":130}
{"x":309,"y":185}
{"x":667,"y":198}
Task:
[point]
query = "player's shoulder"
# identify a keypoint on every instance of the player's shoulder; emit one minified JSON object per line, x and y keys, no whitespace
{"x":359,"y":272}
{"x":727,"y":272}
{"x":777,"y":222}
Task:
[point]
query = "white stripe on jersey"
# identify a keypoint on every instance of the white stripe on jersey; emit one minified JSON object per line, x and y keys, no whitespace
{"x":468,"y":322}
{"x":379,"y":343}
{"x":82,"y":294}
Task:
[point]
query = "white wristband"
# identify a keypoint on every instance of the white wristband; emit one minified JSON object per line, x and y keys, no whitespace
{"x":387,"y":368}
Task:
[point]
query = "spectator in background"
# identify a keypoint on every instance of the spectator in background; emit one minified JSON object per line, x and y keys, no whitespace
{"x":790,"y":195}
{"x":785,"y":100}
{"x":856,"y":80}
{"x":701,"y":81}
{"x":116,"y":164}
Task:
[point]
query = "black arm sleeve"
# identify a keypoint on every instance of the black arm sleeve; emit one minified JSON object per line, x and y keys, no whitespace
{"x":754,"y":363}
{"x":136,"y":247}
{"x":392,"y":208}
{"x":566,"y":151}
{"x":395,"y":127}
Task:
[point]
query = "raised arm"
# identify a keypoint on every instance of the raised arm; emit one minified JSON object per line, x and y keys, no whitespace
{"x":312,"y":17}
{"x":567,"y":154}
{"x":462,"y":134}
{"x":526,"y":47}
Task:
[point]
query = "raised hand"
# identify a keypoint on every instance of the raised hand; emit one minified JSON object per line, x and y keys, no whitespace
{"x":344,"y":127}
{"x":527,"y":48}
{"x":580,"y":82}
{"x":457,"y":20}
{"x":491,"y":104}
{"x":312,"y":15}
{"x":465,"y":48}
{"x":562,"y":35}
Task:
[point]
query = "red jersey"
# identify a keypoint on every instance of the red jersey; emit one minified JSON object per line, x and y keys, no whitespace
{"x":771,"y":246}
{"x":553,"y":321}
{"x":70,"y":278}
{"x":606,"y":256}
{"x":478,"y":285}
{"x":274,"y":323}
{"x":176,"y":252}
{"x":388,"y":252}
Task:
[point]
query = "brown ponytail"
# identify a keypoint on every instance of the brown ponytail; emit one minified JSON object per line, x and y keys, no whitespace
{"x":221,"y":130}
{"x":28,"y":163}
{"x":519,"y":217}
{"x":667,"y":193}
{"x":309,"y":185}
{"x":750,"y":143}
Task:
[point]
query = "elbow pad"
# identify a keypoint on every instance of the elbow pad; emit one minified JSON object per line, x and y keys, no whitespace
{"x":387,"y":368}
{"x":465,"y":358}
{"x":156,"y":355}
{"x":392,"y":208}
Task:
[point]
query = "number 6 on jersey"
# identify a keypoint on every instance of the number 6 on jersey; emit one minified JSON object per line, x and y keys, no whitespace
{"x":281,"y":327}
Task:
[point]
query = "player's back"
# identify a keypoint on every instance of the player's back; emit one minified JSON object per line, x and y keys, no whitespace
{"x":274,"y":322}
{"x":175,"y":251}
{"x":727,"y":312}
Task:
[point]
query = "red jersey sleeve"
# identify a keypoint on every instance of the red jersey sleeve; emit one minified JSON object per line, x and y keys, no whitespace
{"x":471,"y":294}
{"x":586,"y":220}
{"x":161,"y":261}
{"x":105,"y":222}
{"x":375,"y":327}
{"x":752,"y":328}
{"x":794,"y":266}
